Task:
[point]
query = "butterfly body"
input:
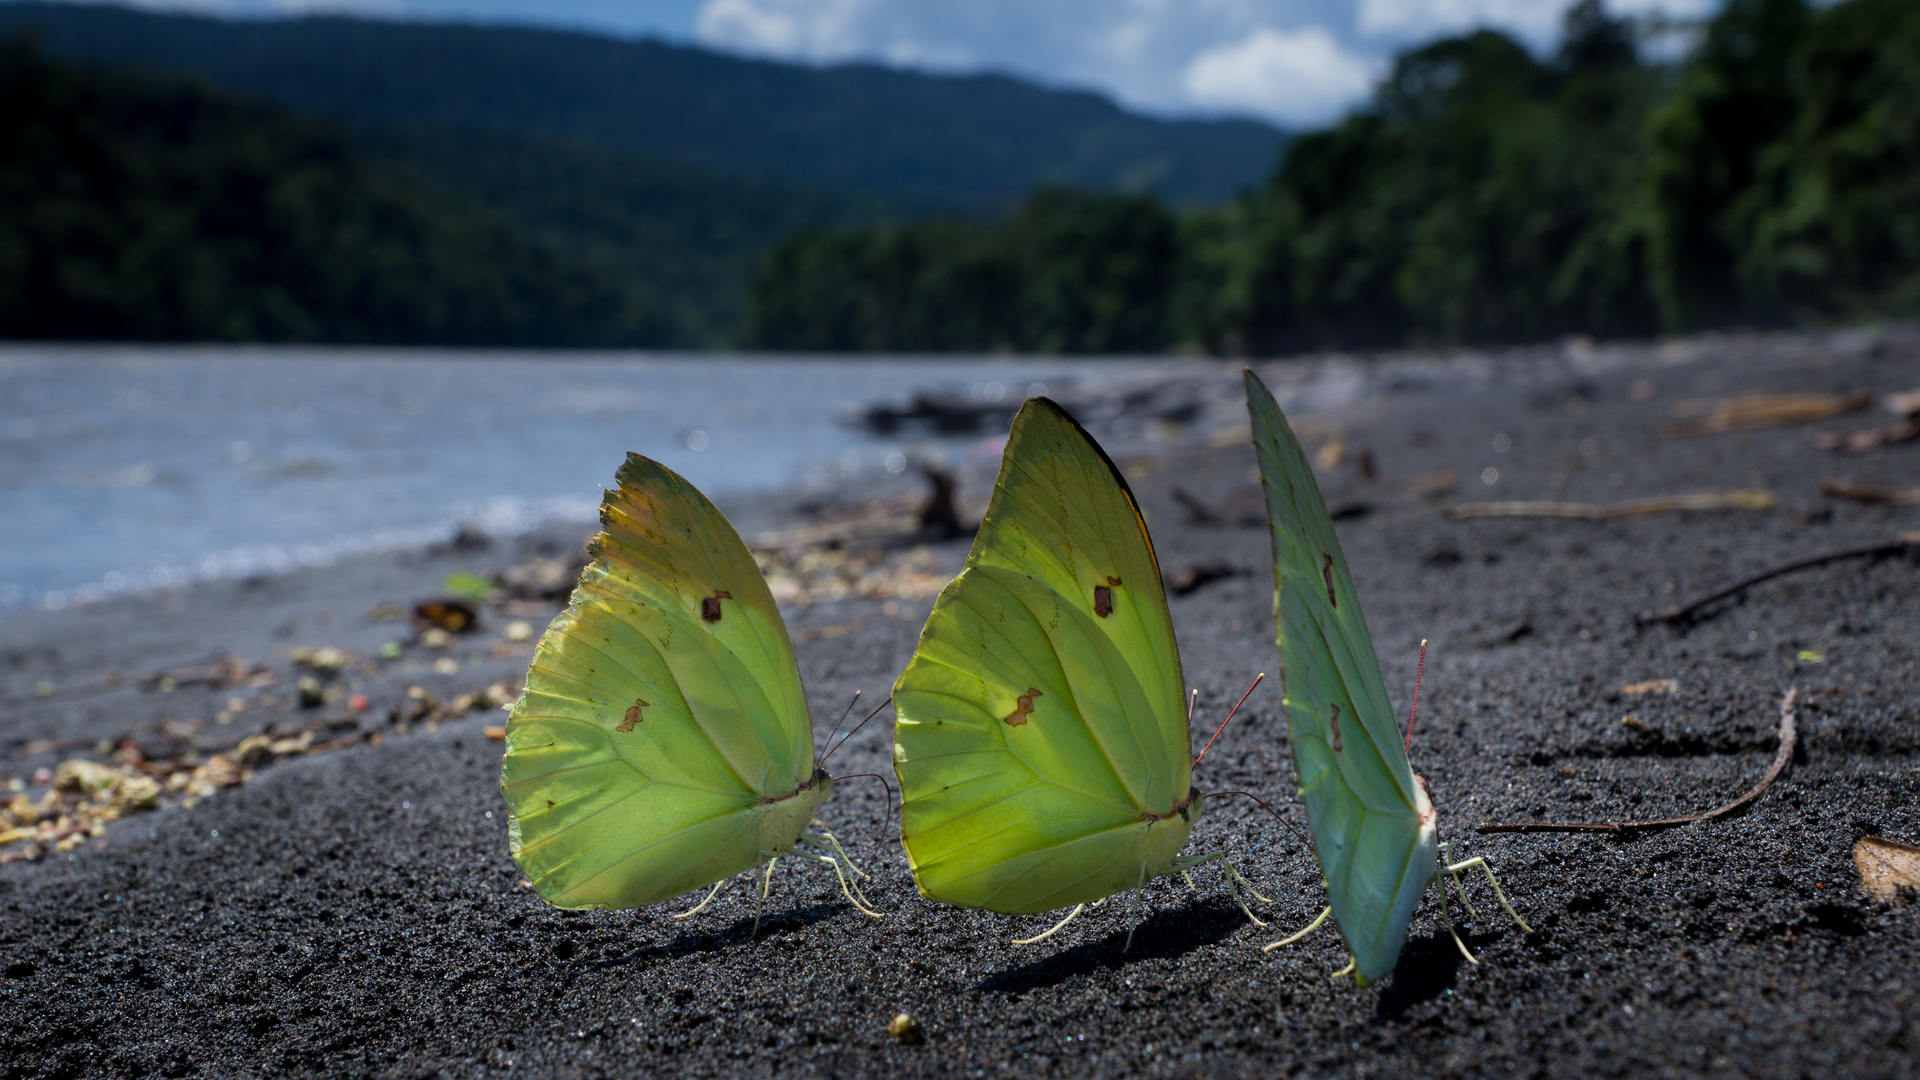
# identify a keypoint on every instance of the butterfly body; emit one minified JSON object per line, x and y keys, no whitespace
{"x":663,"y":742}
{"x":1041,"y":743}
{"x":1373,"y":821}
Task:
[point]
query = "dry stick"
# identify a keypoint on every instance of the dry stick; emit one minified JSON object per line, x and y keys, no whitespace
{"x":1788,"y":736}
{"x":1685,"y":612}
{"x":1713,"y":500}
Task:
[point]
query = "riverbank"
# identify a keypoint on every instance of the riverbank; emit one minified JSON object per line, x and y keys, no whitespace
{"x":348,"y":905}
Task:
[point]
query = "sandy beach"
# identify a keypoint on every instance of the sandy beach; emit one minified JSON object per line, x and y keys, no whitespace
{"x":317,"y":881}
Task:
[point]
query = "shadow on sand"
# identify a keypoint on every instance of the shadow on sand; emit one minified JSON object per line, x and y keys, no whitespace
{"x":1164,"y":934}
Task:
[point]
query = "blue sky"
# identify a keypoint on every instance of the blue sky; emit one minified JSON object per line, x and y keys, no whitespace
{"x":1292,"y":62}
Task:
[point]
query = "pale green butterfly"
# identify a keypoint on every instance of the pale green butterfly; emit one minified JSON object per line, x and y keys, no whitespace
{"x":1373,"y":823}
{"x":663,"y":742}
{"x":1041,"y":743}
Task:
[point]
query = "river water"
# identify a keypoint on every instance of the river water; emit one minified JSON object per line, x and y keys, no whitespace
{"x":125,"y":468}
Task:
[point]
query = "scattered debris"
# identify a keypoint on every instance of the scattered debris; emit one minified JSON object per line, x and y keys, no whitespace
{"x":546,"y":581}
{"x":327,"y":659}
{"x":469,"y":586}
{"x":83,"y":796}
{"x":1869,"y":493}
{"x":1758,"y":411}
{"x":1909,"y":543}
{"x":1651,"y":686}
{"x":1788,"y":736}
{"x":1202,"y":514}
{"x":904,"y":1028}
{"x":805,"y":574}
{"x":1196,"y":577}
{"x":1889,"y":871}
{"x":1712,"y":500}
{"x":453,"y":615}
{"x":822,"y":633}
{"x":1433,"y":484}
{"x":1904,"y":405}
{"x":940,"y":515}
{"x":496,"y":732}
{"x":1859,"y":442}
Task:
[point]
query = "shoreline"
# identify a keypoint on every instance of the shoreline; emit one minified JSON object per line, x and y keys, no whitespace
{"x":306,"y":919}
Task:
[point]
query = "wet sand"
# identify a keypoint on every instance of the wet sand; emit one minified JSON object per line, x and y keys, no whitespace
{"x":355,"y":911}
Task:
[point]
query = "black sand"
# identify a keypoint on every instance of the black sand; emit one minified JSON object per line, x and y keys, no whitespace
{"x":355,"y":912}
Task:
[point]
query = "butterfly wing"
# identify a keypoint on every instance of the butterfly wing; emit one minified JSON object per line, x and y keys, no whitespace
{"x":1372,"y":822}
{"x":1041,"y":744}
{"x":663,"y":707}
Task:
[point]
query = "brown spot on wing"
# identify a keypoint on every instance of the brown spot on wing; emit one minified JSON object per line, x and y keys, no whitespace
{"x":633,"y":715}
{"x":1114,"y":581}
{"x":1336,"y":728}
{"x":1023,"y":708}
{"x":1326,"y":571}
{"x":710,"y":605}
{"x":1102,"y":600}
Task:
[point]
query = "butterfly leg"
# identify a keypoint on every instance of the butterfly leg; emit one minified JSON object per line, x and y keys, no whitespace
{"x":1235,"y":882}
{"x":1491,"y":880}
{"x":760,"y":902}
{"x":1446,"y":919}
{"x":1056,"y":927}
{"x":834,"y":855}
{"x":696,"y":909}
{"x":1133,"y":908}
{"x":1457,"y":887}
{"x":1310,"y":928}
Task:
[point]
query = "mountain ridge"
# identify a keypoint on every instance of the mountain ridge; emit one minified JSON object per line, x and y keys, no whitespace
{"x":978,"y":142}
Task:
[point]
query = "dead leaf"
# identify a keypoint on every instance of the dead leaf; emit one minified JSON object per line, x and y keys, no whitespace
{"x":1760,"y":410}
{"x":1887,"y":869}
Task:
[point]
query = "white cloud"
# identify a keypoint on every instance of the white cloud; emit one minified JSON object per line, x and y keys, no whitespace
{"x":1293,"y":77}
{"x":790,"y":29}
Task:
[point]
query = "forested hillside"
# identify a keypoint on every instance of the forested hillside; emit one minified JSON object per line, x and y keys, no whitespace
{"x":978,"y":142}
{"x":1483,"y":195}
{"x":139,"y":209}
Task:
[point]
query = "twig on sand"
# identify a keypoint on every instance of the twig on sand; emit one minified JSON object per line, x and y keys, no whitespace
{"x":1761,"y":410}
{"x":1869,"y":493}
{"x":1686,"y":612}
{"x":1788,"y":736}
{"x":1711,"y":500}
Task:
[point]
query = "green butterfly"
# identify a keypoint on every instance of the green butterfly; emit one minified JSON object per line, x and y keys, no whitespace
{"x":664,"y":741}
{"x":1373,"y":823}
{"x":1041,"y":743}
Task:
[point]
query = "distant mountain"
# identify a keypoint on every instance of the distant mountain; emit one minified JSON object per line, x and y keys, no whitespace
{"x":977,"y":142}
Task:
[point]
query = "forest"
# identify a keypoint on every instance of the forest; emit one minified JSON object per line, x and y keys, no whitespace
{"x":1764,"y":173}
{"x":1769,"y":177}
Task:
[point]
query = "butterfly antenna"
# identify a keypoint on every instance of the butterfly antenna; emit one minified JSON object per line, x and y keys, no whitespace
{"x":877,"y":776}
{"x":848,"y":737}
{"x":848,"y":711}
{"x":1263,"y":805}
{"x":1415,"y":711}
{"x":1229,"y":719}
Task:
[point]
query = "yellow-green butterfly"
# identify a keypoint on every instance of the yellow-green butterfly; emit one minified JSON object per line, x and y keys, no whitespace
{"x":1373,"y":824}
{"x":663,"y":742}
{"x":1041,"y":743}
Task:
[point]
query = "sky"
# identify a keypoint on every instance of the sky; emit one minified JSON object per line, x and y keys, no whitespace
{"x":1295,"y":63}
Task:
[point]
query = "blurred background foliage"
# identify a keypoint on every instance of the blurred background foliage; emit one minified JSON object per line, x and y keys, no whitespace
{"x":1772,"y":176}
{"x":1768,"y":174}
